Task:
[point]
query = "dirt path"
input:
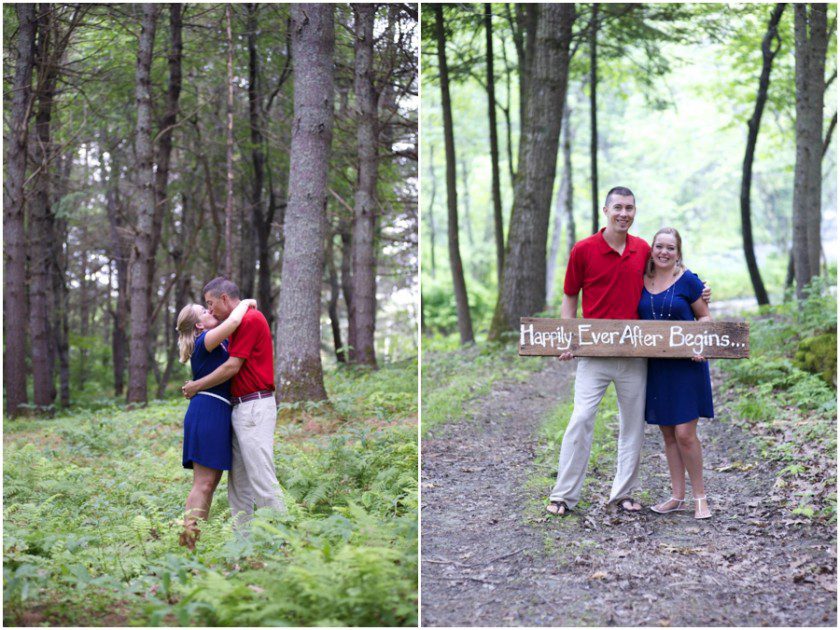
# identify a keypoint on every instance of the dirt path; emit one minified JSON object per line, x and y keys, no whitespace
{"x":489,"y":561}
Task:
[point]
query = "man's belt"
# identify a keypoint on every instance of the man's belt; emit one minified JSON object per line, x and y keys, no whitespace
{"x":264,"y":393}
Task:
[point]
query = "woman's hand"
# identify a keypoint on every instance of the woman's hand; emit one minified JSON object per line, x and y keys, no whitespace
{"x":698,"y":358}
{"x":251,"y":303}
{"x":566,"y":356}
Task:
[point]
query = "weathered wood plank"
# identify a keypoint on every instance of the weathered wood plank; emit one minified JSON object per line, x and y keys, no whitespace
{"x":540,"y":336}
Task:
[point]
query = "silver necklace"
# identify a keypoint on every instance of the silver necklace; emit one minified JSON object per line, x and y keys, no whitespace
{"x":662,"y":310}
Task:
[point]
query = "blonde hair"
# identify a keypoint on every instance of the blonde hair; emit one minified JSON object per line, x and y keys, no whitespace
{"x":187,"y":319}
{"x":679,"y":266}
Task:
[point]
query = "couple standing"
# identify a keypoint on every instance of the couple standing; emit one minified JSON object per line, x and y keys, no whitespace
{"x":622,"y":277}
{"x":230,"y":421}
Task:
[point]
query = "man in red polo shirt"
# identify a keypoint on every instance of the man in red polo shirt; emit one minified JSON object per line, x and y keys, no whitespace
{"x":608,"y":266}
{"x":252,"y":479}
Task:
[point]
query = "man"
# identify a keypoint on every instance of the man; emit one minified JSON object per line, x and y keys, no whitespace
{"x":252,"y":479}
{"x":608,"y":266}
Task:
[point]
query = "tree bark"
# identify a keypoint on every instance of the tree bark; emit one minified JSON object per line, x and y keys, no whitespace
{"x":810,"y":48}
{"x":431,"y":213}
{"x":254,"y":223}
{"x":496,"y":185}
{"x":120,"y":257}
{"x":364,"y":214}
{"x":14,"y":239}
{"x":229,"y":153}
{"x":768,"y":52}
{"x":523,"y":283}
{"x":142,"y":253}
{"x":41,"y":227}
{"x":335,"y":292}
{"x":346,"y":234}
{"x":464,"y":320}
{"x":811,"y":41}
{"x":593,"y":115}
{"x":60,"y":293}
{"x":563,"y":208}
{"x":299,"y":371}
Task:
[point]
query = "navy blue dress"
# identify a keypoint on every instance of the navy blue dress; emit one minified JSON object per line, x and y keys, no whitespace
{"x":678,"y":390}
{"x":207,"y":428}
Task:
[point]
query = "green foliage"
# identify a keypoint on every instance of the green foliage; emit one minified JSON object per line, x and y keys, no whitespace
{"x":791,"y":411}
{"x":93,"y":502}
{"x":454,"y":376}
{"x":819,"y":356}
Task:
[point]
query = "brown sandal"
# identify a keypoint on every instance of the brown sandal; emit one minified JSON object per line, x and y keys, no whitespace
{"x":558,"y":505}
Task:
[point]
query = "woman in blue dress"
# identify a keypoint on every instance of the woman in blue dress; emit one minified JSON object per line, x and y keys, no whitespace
{"x":679,"y":391}
{"x":207,"y":427}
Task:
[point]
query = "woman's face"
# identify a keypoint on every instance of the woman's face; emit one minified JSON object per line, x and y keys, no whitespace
{"x":205,"y":320}
{"x":664,"y":251}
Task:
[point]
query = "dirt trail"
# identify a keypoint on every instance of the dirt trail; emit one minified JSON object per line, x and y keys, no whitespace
{"x":489,"y":561}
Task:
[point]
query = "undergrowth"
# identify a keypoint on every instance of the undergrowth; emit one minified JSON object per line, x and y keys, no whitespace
{"x":454,"y":375}
{"x":93,"y":502}
{"x":791,"y":413}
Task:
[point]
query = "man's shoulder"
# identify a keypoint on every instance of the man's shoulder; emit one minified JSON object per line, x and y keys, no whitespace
{"x":254,"y":318}
{"x":589,"y":242}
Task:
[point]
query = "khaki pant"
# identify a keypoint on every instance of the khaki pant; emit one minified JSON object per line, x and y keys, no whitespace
{"x":252,"y":480}
{"x":594,"y":374}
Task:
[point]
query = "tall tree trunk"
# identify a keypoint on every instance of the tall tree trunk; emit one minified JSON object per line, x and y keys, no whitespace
{"x":523,"y":283}
{"x":255,"y":221}
{"x":60,"y":292}
{"x":525,"y":36}
{"x":14,"y":238}
{"x":464,"y":320}
{"x":299,"y":371}
{"x":142,"y":253}
{"x":768,"y":52}
{"x":467,"y":220}
{"x":346,"y":234}
{"x":364,"y":214}
{"x":167,"y":128}
{"x":593,"y":115}
{"x":811,"y":43}
{"x":332,"y":305}
{"x":496,"y":184}
{"x":431,"y":212}
{"x":40,"y":214}
{"x":506,"y":110}
{"x":229,"y":153}
{"x":119,"y":255}
{"x":563,"y":207}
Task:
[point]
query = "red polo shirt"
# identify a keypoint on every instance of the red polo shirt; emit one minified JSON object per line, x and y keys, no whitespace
{"x":252,"y":341}
{"x":612,"y":283}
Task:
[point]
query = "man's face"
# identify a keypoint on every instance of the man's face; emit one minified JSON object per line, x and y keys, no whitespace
{"x":218,"y":305}
{"x":620,"y":212}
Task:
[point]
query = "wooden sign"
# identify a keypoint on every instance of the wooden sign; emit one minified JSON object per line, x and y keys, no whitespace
{"x":540,"y":337}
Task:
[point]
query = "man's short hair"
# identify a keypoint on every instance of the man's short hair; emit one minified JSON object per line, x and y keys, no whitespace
{"x":621,"y":191}
{"x":220,"y":285}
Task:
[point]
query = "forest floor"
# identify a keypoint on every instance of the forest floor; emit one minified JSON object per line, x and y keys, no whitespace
{"x":491,"y":556}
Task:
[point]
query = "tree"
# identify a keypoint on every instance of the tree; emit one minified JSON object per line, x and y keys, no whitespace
{"x":455,"y":265}
{"x":14,"y":239}
{"x":523,"y":285}
{"x":593,"y":114}
{"x":299,"y":371}
{"x":811,"y":39}
{"x":564,"y":206}
{"x":494,"y":145}
{"x":141,"y":254}
{"x":768,"y":52}
{"x":364,"y":213}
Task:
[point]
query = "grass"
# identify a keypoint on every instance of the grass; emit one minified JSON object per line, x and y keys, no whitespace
{"x":93,"y":500}
{"x":453,"y":375}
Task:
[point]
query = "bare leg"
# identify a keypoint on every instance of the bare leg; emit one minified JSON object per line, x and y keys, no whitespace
{"x":199,"y":500}
{"x":676,"y":468}
{"x":692,"y":455}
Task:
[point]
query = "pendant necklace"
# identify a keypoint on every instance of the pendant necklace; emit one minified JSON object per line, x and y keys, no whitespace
{"x":662,"y":310}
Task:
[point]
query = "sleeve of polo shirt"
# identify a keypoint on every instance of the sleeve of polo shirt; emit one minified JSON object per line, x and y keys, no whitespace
{"x":574,"y":273}
{"x":242,"y":343}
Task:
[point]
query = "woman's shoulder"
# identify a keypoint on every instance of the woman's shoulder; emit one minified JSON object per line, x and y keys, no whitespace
{"x":199,"y":343}
{"x":691,"y":279}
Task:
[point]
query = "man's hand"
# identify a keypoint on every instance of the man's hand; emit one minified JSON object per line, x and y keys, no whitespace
{"x":707,"y":293}
{"x":566,"y":356}
{"x":190,"y":389}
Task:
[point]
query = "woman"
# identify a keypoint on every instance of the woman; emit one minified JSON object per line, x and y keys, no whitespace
{"x":679,"y":391}
{"x":207,"y":428}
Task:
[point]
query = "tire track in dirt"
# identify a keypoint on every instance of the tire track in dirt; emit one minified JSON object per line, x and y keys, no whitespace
{"x":489,"y":560}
